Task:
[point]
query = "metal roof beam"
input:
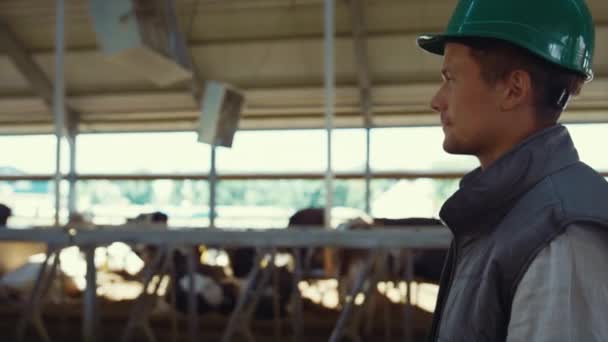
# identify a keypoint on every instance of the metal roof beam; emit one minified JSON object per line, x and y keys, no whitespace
{"x":40,"y":83}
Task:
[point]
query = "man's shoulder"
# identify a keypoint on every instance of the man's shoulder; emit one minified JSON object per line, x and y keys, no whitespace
{"x":577,"y":175}
{"x":574,"y":259}
{"x":587,"y":241}
{"x":582,"y":247}
{"x":580,"y":191}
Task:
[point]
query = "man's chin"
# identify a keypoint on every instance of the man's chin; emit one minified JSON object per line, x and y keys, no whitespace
{"x":448,"y":146}
{"x":452,"y":148}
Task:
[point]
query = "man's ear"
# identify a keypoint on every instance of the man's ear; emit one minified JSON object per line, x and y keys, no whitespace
{"x":517,"y":90}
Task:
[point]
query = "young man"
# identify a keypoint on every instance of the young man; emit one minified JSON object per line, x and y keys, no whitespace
{"x":530,"y":225}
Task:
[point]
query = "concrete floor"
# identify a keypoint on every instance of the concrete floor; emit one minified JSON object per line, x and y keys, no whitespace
{"x":64,"y":324}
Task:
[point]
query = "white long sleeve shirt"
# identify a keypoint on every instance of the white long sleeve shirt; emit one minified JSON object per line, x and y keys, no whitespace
{"x":563,"y":295}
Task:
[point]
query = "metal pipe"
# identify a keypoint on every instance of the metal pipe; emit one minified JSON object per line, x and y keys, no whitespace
{"x":252,"y":176}
{"x":408,"y":237}
{"x":408,"y":314}
{"x":329,"y":83}
{"x":212,"y":187}
{"x":139,"y":308}
{"x":428,"y":237}
{"x":238,"y":314}
{"x":368,"y":171}
{"x":72,"y":173}
{"x":59,"y":99}
{"x":90,"y":297}
{"x":346,"y":312}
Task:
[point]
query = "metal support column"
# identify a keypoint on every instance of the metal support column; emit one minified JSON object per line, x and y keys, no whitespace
{"x":72,"y":172}
{"x":212,"y":187}
{"x":408,"y":314}
{"x":368,"y":171}
{"x":89,"y":325}
{"x":59,"y":99}
{"x":329,"y":37}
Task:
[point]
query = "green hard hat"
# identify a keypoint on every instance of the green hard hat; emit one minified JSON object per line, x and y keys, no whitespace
{"x":559,"y":31}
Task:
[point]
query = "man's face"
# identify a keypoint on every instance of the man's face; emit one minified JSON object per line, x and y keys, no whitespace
{"x":469,"y":106}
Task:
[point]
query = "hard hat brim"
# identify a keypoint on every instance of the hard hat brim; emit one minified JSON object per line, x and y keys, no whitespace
{"x":433,"y":43}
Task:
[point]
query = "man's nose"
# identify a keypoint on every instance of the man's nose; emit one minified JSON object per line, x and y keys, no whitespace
{"x":438,"y":101}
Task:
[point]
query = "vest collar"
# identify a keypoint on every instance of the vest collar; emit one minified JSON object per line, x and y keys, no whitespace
{"x":485,"y":196}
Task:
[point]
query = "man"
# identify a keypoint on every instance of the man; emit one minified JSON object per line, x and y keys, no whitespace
{"x":530,"y":225}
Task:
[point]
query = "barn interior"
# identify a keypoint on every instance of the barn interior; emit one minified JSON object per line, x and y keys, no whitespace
{"x":227,"y":170}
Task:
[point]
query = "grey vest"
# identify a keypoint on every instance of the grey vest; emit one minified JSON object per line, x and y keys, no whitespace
{"x":501,"y":218}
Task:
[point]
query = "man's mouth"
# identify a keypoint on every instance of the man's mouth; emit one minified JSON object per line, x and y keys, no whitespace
{"x":444,"y":120}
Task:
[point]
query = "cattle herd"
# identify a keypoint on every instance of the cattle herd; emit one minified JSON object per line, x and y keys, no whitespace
{"x":218,"y":288}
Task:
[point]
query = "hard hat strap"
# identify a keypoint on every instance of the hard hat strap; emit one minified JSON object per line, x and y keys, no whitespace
{"x":563,"y":99}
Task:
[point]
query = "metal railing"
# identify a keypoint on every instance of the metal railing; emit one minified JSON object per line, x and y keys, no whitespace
{"x":376,"y":239}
